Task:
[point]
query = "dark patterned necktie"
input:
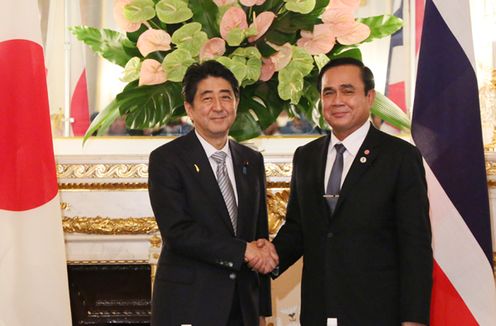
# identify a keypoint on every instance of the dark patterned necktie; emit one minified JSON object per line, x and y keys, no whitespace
{"x":334,"y":183}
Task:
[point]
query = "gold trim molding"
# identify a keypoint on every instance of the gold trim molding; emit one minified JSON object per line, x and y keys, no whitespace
{"x":139,"y":170}
{"x":102,"y":171}
{"x":109,"y":226}
{"x":107,"y":262}
{"x":490,"y":168}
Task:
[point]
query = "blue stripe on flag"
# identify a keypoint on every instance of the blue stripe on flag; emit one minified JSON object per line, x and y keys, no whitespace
{"x":446,"y":124}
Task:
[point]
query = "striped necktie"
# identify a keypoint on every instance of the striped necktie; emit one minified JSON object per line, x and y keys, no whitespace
{"x":226,"y":187}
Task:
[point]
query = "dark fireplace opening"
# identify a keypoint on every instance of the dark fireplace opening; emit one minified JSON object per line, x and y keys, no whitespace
{"x":110,"y":294}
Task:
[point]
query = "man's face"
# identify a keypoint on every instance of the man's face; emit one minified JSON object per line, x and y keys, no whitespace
{"x":213,"y":110}
{"x":344,"y":103}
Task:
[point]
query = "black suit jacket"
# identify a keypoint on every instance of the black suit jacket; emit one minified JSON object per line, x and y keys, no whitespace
{"x":202,"y":262}
{"x":371,"y":262}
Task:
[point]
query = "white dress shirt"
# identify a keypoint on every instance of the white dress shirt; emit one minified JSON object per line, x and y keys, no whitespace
{"x":352,"y":144}
{"x":210,"y":150}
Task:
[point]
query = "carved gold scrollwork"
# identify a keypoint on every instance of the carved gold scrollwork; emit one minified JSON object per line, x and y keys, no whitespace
{"x":100,"y":171}
{"x":278,"y":169}
{"x":276,"y":203}
{"x":490,"y":168}
{"x":109,"y":226}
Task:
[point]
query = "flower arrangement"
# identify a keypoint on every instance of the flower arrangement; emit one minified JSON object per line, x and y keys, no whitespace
{"x":274,"y":48}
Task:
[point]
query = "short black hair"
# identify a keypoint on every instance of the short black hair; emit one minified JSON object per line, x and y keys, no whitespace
{"x":366,"y":73}
{"x":200,"y":71}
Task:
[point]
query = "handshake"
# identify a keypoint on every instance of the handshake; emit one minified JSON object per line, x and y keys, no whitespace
{"x":261,"y":256}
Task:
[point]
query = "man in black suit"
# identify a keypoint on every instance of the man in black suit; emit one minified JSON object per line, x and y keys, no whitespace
{"x":208,"y":196}
{"x":358,"y":213}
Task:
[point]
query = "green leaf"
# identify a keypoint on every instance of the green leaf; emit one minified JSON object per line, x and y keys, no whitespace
{"x":237,"y":68}
{"x":205,"y":12}
{"x":245,"y":127}
{"x":381,"y":26}
{"x":149,"y":106}
{"x":235,"y":36}
{"x":353,"y":52}
{"x":107,"y":43}
{"x":131,"y":70}
{"x":300,"y":6}
{"x":173,"y":11}
{"x":388,"y":111}
{"x":301,"y":60}
{"x":253,"y":70}
{"x":321,"y":60}
{"x":138,"y":11}
{"x":103,"y":120}
{"x":190,"y":37}
{"x":290,"y":84}
{"x":176,"y":63}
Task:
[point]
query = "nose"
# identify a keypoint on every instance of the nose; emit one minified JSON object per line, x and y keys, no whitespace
{"x":337,"y":99}
{"x":217,"y":105}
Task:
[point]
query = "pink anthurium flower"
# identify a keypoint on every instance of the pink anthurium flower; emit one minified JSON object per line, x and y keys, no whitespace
{"x":153,"y":40}
{"x":352,"y":5}
{"x":233,"y":17}
{"x":356,"y":34}
{"x":262,"y":23}
{"x":221,"y":3}
{"x":122,"y":22}
{"x":213,"y":48}
{"x":283,"y":55}
{"x":152,"y":73}
{"x":251,"y":3}
{"x":320,"y":41}
{"x":268,"y":69}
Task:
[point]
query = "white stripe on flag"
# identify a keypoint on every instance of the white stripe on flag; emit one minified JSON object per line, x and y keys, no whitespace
{"x":459,"y":254}
{"x":31,"y":293}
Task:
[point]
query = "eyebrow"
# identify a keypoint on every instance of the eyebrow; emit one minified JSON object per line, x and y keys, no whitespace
{"x":208,"y":91}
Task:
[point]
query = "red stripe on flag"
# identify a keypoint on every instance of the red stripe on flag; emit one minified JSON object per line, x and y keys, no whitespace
{"x":396,"y":93}
{"x":419,"y":21}
{"x":27,"y":172}
{"x":79,"y":106}
{"x":447,"y":307}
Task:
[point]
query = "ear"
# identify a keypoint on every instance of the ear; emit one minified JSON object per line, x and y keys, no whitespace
{"x":371,"y":97}
{"x":189,"y":108}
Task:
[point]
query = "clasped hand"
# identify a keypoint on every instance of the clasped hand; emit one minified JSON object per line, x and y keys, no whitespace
{"x":261,"y":256}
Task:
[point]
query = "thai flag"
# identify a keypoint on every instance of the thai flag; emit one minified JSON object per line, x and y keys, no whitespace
{"x":33,"y":272}
{"x":447,"y":129}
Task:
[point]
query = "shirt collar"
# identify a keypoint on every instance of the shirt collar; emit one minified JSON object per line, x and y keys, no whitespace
{"x":209,"y":149}
{"x":353,"y":142}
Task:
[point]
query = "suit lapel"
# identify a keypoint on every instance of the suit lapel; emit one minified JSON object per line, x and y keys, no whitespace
{"x":197,"y":162}
{"x":320,"y":182}
{"x":241,"y":167}
{"x":363,"y":161}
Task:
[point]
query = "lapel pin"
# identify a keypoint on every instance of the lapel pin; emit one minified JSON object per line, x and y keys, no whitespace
{"x":363,"y":159}
{"x":366,"y":152}
{"x":197,"y":168}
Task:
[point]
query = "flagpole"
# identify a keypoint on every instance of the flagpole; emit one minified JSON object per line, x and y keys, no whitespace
{"x":67,"y":70}
{"x":412,"y":55}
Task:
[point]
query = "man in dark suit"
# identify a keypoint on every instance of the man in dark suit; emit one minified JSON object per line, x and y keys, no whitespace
{"x":208,"y":196}
{"x":358,"y":214}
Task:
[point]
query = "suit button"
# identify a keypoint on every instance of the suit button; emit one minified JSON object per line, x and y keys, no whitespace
{"x":330,"y":235}
{"x":230,"y":264}
{"x":232,"y":276}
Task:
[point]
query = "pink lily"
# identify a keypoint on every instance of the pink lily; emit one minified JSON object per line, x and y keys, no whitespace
{"x":122,"y":22}
{"x":268,"y":69}
{"x":152,"y":73}
{"x":213,"y":48}
{"x":262,"y":23}
{"x":233,"y":17}
{"x":153,"y":40}
{"x":321,"y":41}
{"x":251,"y":3}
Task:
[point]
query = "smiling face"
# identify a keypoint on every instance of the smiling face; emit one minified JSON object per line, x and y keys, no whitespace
{"x":213,"y":110}
{"x":345,"y":105}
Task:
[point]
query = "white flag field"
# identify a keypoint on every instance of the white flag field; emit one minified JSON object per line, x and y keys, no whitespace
{"x":33,"y":272}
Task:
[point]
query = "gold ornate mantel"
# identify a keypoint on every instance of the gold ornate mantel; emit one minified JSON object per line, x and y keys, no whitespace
{"x":105,"y":204}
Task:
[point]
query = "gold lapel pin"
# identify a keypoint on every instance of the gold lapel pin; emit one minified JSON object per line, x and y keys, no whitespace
{"x":197,"y":168}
